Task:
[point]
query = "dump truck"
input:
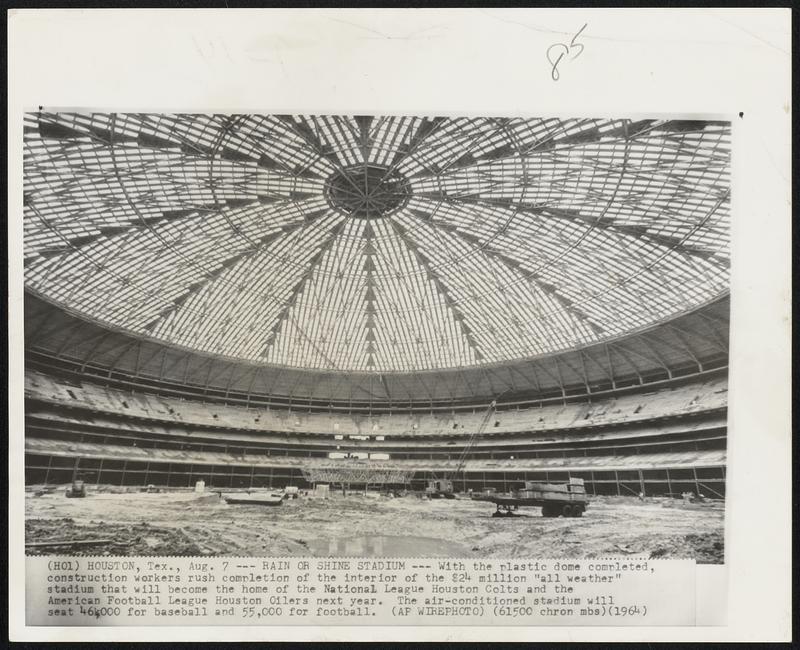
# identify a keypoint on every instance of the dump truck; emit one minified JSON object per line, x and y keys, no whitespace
{"x":555,"y":499}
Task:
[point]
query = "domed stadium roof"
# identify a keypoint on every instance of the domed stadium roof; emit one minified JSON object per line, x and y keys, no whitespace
{"x":375,"y":244}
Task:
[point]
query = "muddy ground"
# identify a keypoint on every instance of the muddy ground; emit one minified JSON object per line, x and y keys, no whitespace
{"x":184,"y":523}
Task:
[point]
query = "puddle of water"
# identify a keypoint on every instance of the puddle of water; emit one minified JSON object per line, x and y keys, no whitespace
{"x":387,"y":546}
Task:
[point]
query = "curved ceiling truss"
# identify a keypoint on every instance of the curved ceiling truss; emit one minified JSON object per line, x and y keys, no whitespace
{"x":691,"y":344}
{"x":375,"y":244}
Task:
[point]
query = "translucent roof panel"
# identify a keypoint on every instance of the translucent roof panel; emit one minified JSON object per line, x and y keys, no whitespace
{"x":369,"y":243}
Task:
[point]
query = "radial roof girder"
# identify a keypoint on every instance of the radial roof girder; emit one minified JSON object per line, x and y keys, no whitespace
{"x":685,"y":333}
{"x":528,"y":274}
{"x":537,"y":377}
{"x":685,"y":345}
{"x":628,"y":360}
{"x":297,"y":289}
{"x":655,"y":354}
{"x":513,"y":268}
{"x":439,"y":285}
{"x":608,"y":373}
{"x":181,"y":179}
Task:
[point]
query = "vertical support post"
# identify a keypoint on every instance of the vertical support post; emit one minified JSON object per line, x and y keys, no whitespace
{"x":146,"y":471}
{"x":252,"y":471}
{"x":669,"y":483}
{"x":641,"y":482}
{"x":616,"y":478}
{"x":99,"y":473}
{"x":124,"y":467}
{"x":47,"y":471}
{"x":696,"y":483}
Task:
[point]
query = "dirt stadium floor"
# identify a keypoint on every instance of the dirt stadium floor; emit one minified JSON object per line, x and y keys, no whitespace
{"x":185,"y":523}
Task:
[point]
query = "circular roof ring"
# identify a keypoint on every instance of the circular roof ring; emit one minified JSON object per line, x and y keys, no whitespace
{"x":367,"y":191}
{"x":377,"y":244}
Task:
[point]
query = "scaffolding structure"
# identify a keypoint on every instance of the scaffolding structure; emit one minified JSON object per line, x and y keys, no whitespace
{"x":361,"y":475}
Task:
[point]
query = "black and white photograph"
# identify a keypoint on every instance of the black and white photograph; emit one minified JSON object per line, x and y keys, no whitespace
{"x":401,"y":324}
{"x":375,"y":335}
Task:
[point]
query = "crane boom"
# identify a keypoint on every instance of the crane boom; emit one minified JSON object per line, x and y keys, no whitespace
{"x":462,"y":458}
{"x":444,"y":488}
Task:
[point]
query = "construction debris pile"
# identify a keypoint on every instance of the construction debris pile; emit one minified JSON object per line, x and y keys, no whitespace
{"x":67,"y":537}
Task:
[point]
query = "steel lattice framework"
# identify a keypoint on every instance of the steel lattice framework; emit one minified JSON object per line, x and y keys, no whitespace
{"x":375,"y":244}
{"x":357,"y":475}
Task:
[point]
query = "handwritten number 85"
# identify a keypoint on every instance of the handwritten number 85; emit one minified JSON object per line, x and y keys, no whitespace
{"x":560,"y":50}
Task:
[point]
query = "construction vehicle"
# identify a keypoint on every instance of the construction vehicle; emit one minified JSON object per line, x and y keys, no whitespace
{"x":78,"y":488}
{"x":555,"y":499}
{"x":443,"y":488}
{"x":440,"y":489}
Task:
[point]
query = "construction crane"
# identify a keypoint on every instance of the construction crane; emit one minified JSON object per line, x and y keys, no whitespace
{"x":443,"y":488}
